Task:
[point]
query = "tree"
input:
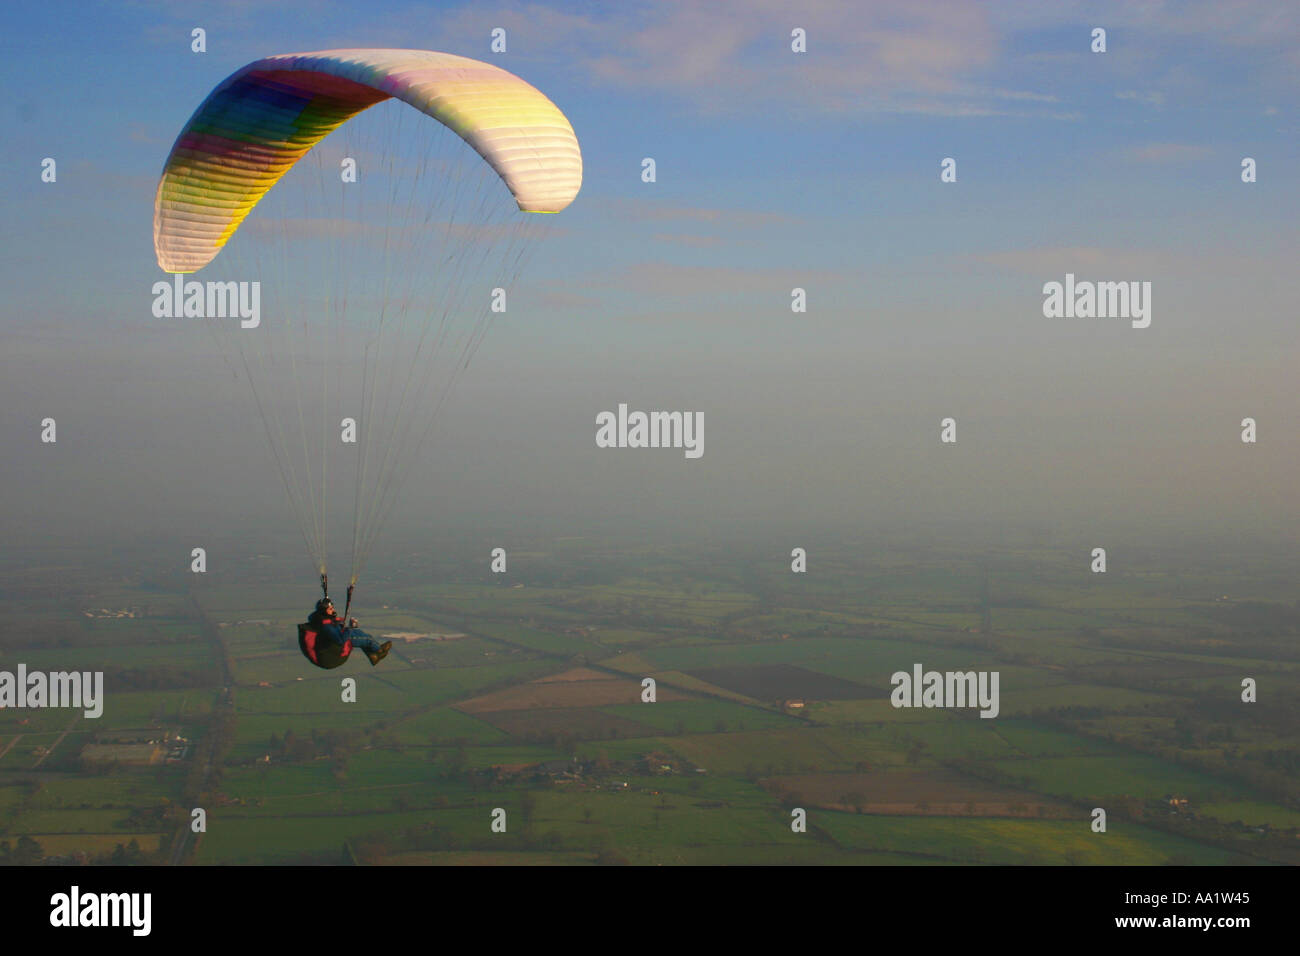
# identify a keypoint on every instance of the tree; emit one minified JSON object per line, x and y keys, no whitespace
{"x":27,"y":852}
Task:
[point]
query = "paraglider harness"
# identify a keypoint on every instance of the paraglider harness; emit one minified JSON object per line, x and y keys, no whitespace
{"x":325,"y":654}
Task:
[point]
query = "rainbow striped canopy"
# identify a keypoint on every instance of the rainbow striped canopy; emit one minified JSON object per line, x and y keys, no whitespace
{"x":265,"y":117}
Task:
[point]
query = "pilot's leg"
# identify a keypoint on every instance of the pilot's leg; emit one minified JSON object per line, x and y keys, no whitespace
{"x":363,"y":641}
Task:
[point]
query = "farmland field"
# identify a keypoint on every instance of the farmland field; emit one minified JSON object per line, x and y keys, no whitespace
{"x":771,"y":694}
{"x":781,"y":680}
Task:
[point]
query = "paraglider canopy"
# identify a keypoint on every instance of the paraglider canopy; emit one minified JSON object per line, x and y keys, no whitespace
{"x":261,"y":120}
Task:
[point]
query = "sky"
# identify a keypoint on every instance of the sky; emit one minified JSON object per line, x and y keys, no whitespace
{"x":774,"y":170}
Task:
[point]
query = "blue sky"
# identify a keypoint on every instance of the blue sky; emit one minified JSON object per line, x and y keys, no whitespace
{"x":774,"y":170}
{"x":844,"y":139}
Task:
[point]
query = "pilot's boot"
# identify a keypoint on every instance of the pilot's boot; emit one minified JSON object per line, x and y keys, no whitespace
{"x":377,"y":656}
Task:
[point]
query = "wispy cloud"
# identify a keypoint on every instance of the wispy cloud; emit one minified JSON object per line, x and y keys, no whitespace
{"x":675,"y":279}
{"x":1123,"y":262}
{"x":686,"y":239}
{"x":1145,"y":97}
{"x":861,"y":55}
{"x":642,"y":210}
{"x":1167,"y":152}
{"x":1059,"y":259}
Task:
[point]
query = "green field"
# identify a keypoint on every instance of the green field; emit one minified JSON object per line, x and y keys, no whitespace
{"x":1118,"y":691}
{"x":1042,"y":842}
